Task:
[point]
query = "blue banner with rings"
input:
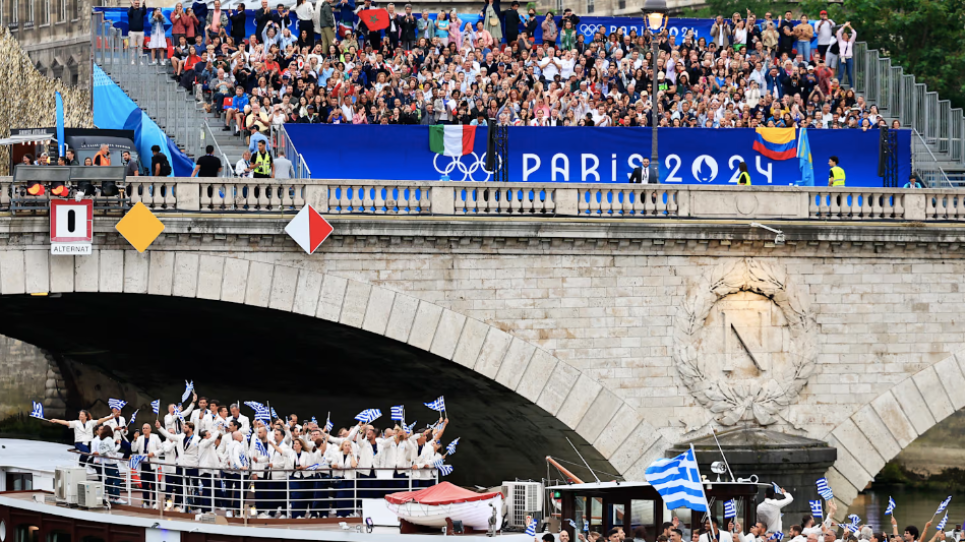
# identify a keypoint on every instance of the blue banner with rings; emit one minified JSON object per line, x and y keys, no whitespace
{"x":588,"y":154}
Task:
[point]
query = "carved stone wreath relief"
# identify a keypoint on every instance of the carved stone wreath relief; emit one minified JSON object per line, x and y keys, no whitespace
{"x":745,"y":342}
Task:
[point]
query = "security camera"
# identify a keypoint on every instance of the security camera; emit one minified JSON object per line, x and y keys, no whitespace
{"x":779,"y":238}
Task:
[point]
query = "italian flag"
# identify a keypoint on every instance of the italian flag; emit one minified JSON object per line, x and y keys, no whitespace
{"x":452,"y":140}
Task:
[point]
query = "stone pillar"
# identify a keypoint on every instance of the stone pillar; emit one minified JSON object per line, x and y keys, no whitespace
{"x":189,"y":196}
{"x":55,"y":391}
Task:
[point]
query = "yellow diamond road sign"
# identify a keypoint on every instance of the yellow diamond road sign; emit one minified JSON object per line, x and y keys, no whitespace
{"x":140,"y":227}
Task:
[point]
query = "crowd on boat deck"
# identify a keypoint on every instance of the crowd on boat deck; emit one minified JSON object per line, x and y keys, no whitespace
{"x":210,"y":456}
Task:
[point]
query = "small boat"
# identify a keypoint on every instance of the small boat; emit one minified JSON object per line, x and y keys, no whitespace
{"x":430,"y":507}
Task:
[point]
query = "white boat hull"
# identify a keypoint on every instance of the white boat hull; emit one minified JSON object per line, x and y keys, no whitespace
{"x":473,"y":514}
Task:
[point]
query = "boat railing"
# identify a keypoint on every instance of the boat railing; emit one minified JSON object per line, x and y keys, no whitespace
{"x":249,"y":493}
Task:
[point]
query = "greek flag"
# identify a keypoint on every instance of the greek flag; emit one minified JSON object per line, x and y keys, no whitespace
{"x":891,"y":506}
{"x":369,"y":416}
{"x":531,"y":529}
{"x":328,"y":426}
{"x":817,"y":510}
{"x":261,"y":411}
{"x":314,"y":421}
{"x":941,"y":524}
{"x":777,"y":536}
{"x":438,"y":405}
{"x":398,"y":413}
{"x":586,"y":525}
{"x":136,"y":461}
{"x":824,"y":490}
{"x":188,"y":388}
{"x":243,"y":459}
{"x":451,"y":449}
{"x":943,"y":505}
{"x":777,"y":488}
{"x":116,"y":403}
{"x":178,"y":414}
{"x":572,"y":524}
{"x":274,"y":415}
{"x":133,"y":417}
{"x":409,"y":428}
{"x":730,"y":509}
{"x":156,"y":406}
{"x":678,"y":482}
{"x":38,"y":410}
{"x":316,"y":466}
{"x":260,"y":447}
{"x":854,"y":525}
{"x":444,"y":470}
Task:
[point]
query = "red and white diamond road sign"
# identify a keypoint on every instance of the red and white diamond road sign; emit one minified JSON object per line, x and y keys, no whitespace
{"x":309,"y":229}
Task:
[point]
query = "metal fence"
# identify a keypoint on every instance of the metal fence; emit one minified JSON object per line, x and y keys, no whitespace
{"x":250,"y":493}
{"x":280,"y":140}
{"x":898,"y":95}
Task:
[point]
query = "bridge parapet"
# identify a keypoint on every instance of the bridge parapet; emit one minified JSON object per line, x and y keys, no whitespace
{"x":228,"y":195}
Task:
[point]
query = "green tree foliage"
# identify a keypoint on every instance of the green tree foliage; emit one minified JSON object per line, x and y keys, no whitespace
{"x":924,"y":37}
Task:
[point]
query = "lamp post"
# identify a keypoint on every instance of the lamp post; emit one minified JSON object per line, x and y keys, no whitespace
{"x":655,"y":17}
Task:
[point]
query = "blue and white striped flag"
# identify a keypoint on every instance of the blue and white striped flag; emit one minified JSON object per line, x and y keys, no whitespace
{"x":943,"y":505}
{"x":941,"y":524}
{"x":136,"y":461}
{"x":38,"y":410}
{"x":777,"y":488}
{"x":586,"y":525}
{"x":451,"y":449}
{"x":824,"y":490}
{"x":314,"y":421}
{"x":398,"y":413}
{"x":410,"y":427}
{"x":438,"y":405}
{"x":156,"y":406}
{"x":178,"y":414}
{"x":817,"y":509}
{"x":531,"y":529}
{"x":572,"y":524}
{"x":891,"y":506}
{"x":116,"y":403}
{"x":261,"y":411}
{"x":243,"y":459}
{"x":730,"y":509}
{"x":316,"y":466}
{"x":855,"y":523}
{"x":369,"y":415}
{"x":260,"y":447}
{"x":678,"y":482}
{"x":777,"y":536}
{"x":188,"y":388}
{"x":133,"y":417}
{"x":328,"y":426}
{"x":444,"y":470}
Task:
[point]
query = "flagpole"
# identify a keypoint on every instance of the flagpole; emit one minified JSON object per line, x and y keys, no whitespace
{"x":702,"y":492}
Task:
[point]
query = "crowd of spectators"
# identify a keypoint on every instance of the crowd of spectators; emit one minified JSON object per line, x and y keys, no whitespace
{"x":305,"y":66}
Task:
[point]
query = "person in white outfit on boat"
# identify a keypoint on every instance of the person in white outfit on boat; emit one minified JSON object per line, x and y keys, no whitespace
{"x":769,"y":511}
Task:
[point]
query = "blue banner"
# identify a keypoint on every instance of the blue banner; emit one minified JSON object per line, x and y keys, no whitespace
{"x":588,"y":154}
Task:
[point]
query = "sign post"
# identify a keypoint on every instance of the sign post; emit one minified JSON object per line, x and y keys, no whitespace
{"x":71,"y":227}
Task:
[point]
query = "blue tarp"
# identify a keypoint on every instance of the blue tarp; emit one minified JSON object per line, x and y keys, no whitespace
{"x":113,"y":109}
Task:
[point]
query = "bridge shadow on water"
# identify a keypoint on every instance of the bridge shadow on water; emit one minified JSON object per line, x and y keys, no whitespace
{"x":300,"y":365}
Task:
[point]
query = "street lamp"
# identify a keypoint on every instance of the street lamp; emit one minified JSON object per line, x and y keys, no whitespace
{"x":655,"y":17}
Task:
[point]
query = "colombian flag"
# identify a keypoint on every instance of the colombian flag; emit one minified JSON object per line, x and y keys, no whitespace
{"x":776,"y":143}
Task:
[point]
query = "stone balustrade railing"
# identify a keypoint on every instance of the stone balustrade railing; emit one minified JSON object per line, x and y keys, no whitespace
{"x":235,"y":195}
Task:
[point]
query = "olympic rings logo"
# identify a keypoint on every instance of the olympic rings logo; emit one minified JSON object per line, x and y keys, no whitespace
{"x":479,"y":164}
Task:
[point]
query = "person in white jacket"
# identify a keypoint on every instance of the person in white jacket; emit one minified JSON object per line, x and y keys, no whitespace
{"x":210,"y":463}
{"x":259,"y":457}
{"x":237,"y":461}
{"x":83,"y":428}
{"x":183,"y":482}
{"x":243,"y":422}
{"x":343,"y":475}
{"x":108,"y":451}
{"x":149,"y":444}
{"x":769,"y":511}
{"x":280,"y":462}
{"x":301,"y":482}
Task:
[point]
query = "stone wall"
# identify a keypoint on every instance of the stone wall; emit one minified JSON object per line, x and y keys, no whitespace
{"x":26,"y":375}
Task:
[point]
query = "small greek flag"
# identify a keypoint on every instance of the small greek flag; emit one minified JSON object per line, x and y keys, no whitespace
{"x":777,"y":488}
{"x":824,"y":490}
{"x":943,"y":505}
{"x":316,"y":466}
{"x":274,"y":415}
{"x":314,"y":421}
{"x":410,"y":427}
{"x":178,"y":414}
{"x":369,"y":416}
{"x":586,"y":525}
{"x":133,"y":417}
{"x":941,"y":524}
{"x":444,"y":470}
{"x":531,"y":529}
{"x":891,"y":506}
{"x":854,"y":525}
{"x":136,"y":461}
{"x":730,"y":509}
{"x":243,"y":459}
{"x":398,"y":413}
{"x":261,"y":411}
{"x":817,"y":509}
{"x":116,"y":403}
{"x":451,"y":449}
{"x":438,"y":405}
{"x":38,"y":410}
{"x":156,"y":406}
{"x":260,"y":447}
{"x":777,"y":536}
{"x":188,"y":388}
{"x":572,"y":524}
{"x":328,"y":426}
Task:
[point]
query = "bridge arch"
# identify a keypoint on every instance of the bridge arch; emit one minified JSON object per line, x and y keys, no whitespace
{"x":603,"y":419}
{"x":881,"y":429}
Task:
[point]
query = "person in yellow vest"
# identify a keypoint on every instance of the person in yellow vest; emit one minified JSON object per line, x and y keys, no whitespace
{"x":264,"y":165}
{"x":836,"y":175}
{"x":744,"y":178}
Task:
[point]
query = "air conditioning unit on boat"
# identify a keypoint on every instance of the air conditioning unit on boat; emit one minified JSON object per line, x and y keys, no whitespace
{"x":66,"y":480}
{"x":90,"y":494}
{"x":523,"y":499}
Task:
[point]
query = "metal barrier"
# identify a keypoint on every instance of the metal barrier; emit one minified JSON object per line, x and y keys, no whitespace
{"x":927,"y":165}
{"x":227,"y":168}
{"x":280,"y":140}
{"x":303,"y":493}
{"x":900,"y":96}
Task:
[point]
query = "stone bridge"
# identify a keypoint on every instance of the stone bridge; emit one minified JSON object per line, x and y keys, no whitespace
{"x":638,"y":318}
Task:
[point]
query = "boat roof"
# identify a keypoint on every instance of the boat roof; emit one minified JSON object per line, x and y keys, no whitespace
{"x":623,"y":485}
{"x":35,"y":455}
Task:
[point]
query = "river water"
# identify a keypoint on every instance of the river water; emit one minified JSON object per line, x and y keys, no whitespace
{"x":912,"y":507}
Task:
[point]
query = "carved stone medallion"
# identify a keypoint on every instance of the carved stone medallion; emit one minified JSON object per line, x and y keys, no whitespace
{"x":745,"y":342}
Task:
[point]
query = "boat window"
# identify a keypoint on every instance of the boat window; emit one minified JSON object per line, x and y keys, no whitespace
{"x":27,"y":533}
{"x":20,"y":481}
{"x":596,"y":515}
{"x":58,"y":536}
{"x":643,"y":514}
{"x":615,"y":516}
